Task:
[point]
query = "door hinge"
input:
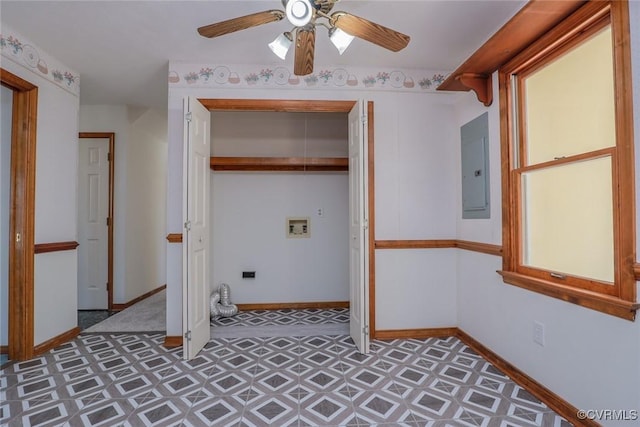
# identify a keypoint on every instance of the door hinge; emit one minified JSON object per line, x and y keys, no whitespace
{"x":108,"y":221}
{"x":188,"y":116}
{"x":363,"y":119}
{"x":107,"y":286}
{"x":187,"y":225}
{"x":108,"y":157}
{"x":365,"y":224}
{"x":187,"y":335}
{"x":365,"y":329}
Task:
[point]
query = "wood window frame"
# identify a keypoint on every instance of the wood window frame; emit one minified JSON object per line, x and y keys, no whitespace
{"x":621,"y":300}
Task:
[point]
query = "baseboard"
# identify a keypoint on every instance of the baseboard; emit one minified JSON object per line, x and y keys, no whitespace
{"x":119,"y":307}
{"x":392,"y":334}
{"x":294,"y":305}
{"x":4,"y":349}
{"x":172,"y":341}
{"x":56,"y":341}
{"x":552,"y":400}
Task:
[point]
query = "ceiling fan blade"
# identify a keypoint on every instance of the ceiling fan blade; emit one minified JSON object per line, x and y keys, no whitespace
{"x":370,"y":31}
{"x":305,"y":46}
{"x":240,"y":23}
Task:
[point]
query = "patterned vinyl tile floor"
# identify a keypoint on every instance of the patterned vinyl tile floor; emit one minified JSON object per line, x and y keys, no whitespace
{"x":133,"y":380}
{"x":285,"y":317}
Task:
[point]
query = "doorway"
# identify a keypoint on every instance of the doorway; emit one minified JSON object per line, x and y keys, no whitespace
{"x":321,"y":106}
{"x":95,"y":220}
{"x":271,"y":171}
{"x":6,"y":97}
{"x":20,"y":243}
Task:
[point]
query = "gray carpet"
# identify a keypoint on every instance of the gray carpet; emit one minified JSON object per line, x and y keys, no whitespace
{"x":149,"y":315}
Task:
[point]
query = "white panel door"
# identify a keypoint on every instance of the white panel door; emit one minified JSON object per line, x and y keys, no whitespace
{"x":93,"y":211}
{"x":358,"y":255}
{"x":195,"y":240}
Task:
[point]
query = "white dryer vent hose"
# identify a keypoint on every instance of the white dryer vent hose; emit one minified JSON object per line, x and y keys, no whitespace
{"x":221,"y":302}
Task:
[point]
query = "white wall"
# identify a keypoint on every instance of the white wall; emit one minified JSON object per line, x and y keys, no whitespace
{"x":249,"y":209}
{"x":146,"y":192}
{"x":139,"y":194}
{"x":414,"y":199}
{"x":415,"y":193}
{"x":415,"y":288}
{"x":55,"y":217}
{"x":6,"y":100}
{"x":590,"y":359}
{"x":248,"y":217}
{"x":279,"y":134}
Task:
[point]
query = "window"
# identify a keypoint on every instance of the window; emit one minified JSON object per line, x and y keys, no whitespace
{"x":567,"y":149}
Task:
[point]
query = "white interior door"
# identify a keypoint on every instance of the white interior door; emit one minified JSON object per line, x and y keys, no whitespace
{"x":195,"y":263}
{"x":93,"y":211}
{"x":358,"y":226}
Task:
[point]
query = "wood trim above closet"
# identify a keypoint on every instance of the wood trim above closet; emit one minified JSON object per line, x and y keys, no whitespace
{"x":532,"y":21}
{"x":340,"y":164}
{"x":279,"y":105}
{"x":41,"y":248}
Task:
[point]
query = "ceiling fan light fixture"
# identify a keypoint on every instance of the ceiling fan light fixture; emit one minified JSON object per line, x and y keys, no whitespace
{"x":280,"y":46}
{"x":299,"y":12}
{"x":340,"y":39}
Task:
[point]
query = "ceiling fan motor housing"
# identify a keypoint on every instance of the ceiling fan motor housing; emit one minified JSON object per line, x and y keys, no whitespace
{"x":299,"y":12}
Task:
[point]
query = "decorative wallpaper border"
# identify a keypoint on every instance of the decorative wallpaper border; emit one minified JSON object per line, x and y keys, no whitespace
{"x":20,"y":50}
{"x":252,"y":76}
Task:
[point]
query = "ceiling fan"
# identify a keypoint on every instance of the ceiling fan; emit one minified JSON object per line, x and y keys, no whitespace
{"x":305,"y":16}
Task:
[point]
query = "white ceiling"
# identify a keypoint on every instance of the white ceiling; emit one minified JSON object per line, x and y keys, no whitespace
{"x":121,"y":48}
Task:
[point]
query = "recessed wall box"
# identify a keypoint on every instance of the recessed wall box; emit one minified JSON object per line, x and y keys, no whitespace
{"x":298,"y":227}
{"x":475,"y":168}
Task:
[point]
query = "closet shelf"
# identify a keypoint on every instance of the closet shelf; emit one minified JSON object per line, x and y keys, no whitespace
{"x":279,"y":164}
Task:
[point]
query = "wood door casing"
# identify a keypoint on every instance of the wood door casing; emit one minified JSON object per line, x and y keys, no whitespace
{"x":22,"y":215}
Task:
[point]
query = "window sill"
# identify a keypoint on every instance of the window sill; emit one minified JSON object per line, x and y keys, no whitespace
{"x":593,"y":300}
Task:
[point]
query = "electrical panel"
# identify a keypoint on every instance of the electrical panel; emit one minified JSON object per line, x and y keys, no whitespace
{"x":475,"y":168}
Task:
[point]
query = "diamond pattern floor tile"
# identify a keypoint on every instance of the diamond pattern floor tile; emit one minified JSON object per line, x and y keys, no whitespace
{"x":120,"y":379}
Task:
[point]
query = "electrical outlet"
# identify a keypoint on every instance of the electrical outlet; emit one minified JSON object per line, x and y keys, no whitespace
{"x":538,"y":333}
